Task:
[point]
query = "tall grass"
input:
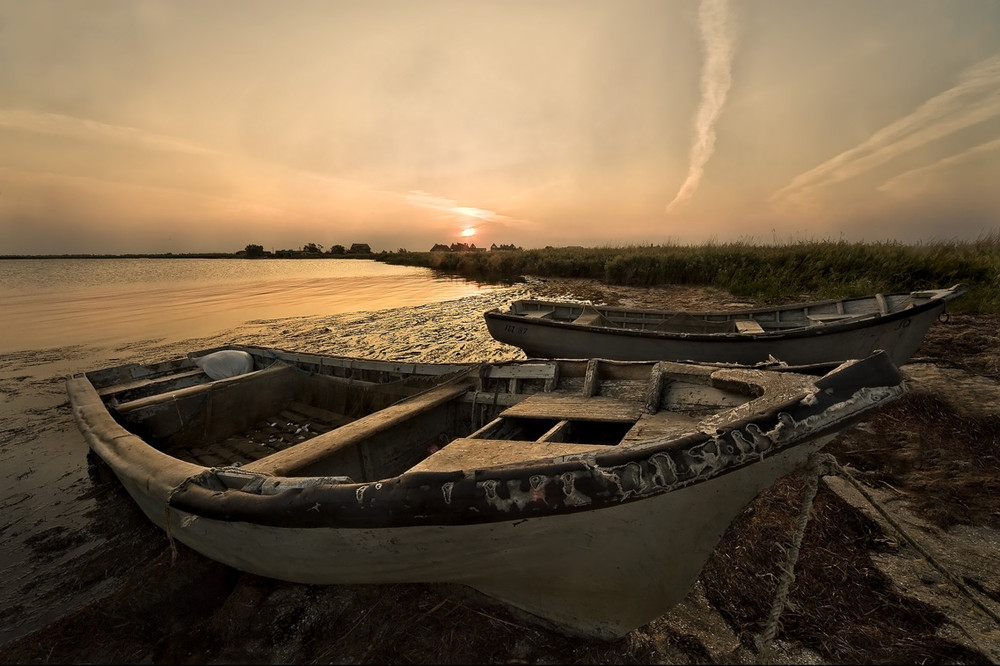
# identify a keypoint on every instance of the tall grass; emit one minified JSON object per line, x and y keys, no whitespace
{"x":768,"y":273}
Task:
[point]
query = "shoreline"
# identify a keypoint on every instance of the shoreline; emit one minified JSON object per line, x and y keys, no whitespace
{"x":87,"y":561}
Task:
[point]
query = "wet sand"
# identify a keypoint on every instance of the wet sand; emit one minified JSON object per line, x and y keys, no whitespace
{"x":85,"y":578}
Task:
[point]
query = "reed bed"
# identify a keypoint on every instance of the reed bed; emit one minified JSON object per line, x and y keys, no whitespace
{"x":765,"y":273}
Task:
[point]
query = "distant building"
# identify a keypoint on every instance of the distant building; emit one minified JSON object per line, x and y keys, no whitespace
{"x":288,"y":254}
{"x":466,"y":247}
{"x":360,"y":248}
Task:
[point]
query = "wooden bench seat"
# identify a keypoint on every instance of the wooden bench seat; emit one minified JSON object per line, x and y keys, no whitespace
{"x":748,"y":326}
{"x":188,"y":391}
{"x":660,"y":426}
{"x":574,"y":407}
{"x":313,"y":451}
{"x":142,"y":382}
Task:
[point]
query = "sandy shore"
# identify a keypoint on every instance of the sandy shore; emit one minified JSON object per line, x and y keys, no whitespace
{"x":87,"y":579}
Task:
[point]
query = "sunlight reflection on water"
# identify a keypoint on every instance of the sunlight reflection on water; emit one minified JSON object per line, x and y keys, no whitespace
{"x":55,"y":302}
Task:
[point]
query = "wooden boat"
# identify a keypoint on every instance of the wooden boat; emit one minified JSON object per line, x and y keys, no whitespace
{"x":586,"y":492}
{"x":817,"y":332}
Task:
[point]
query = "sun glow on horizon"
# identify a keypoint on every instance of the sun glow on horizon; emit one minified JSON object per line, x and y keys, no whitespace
{"x":469,"y":231}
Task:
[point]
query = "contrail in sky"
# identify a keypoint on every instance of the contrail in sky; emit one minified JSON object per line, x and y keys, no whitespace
{"x":909,"y":180}
{"x":717,"y":35}
{"x":973,"y":100}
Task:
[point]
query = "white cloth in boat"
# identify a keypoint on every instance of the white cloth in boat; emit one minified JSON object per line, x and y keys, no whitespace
{"x":226,"y":363}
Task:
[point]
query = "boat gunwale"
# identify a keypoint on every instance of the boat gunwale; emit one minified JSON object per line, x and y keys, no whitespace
{"x":803,"y":331}
{"x":939,"y":295}
{"x":403,"y":500}
{"x":433,"y":497}
{"x":357,"y":505}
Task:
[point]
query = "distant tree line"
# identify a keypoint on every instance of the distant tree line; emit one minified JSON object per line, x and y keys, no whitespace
{"x":257,"y":251}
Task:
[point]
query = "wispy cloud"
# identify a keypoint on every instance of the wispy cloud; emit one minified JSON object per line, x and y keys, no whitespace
{"x":976,"y":98}
{"x":286,"y":191}
{"x":909,"y":182}
{"x":477,"y":213}
{"x":56,"y":124}
{"x":462,"y":214}
{"x":718,"y":37}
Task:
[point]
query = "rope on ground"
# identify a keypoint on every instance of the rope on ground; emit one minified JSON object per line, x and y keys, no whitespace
{"x":170,"y":536}
{"x":814,"y":470}
{"x":955,"y":580}
{"x":824,"y":464}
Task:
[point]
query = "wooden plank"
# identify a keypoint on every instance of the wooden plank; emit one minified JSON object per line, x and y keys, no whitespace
{"x":240,"y":450}
{"x":491,"y":398}
{"x":655,"y":388}
{"x":489,"y":426}
{"x":882,"y":307}
{"x":659,"y":426}
{"x":148,"y":382}
{"x":263,"y":375}
{"x":748,"y":326}
{"x":553,"y":381}
{"x":315,"y":413}
{"x":320,"y":415}
{"x":391,"y":367}
{"x":592,"y":378}
{"x":555,"y":432}
{"x":818,"y":319}
{"x":183,"y":454}
{"x":574,"y":407}
{"x":468,"y":453}
{"x":208,"y":458}
{"x":355,"y":433}
{"x":523,"y":371}
{"x":132,"y":371}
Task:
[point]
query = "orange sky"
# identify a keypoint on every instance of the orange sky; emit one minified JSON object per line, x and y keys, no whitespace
{"x":169,"y":126}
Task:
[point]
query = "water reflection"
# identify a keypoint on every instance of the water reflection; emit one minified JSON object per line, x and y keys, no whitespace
{"x":49,"y":303}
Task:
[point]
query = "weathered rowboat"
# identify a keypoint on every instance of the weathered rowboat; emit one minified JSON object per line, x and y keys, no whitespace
{"x":816,"y":332}
{"x":586,"y":492}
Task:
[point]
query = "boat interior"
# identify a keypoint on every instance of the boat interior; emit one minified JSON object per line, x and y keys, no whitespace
{"x":299,"y":417}
{"x":744,"y":322}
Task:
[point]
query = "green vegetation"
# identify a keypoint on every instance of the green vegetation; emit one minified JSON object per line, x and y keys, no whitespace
{"x":778,"y":273}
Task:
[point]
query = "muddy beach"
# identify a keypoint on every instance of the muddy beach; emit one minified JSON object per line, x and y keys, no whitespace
{"x":88,"y":580}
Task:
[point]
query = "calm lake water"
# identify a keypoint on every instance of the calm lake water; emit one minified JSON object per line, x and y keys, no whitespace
{"x":58,"y":302}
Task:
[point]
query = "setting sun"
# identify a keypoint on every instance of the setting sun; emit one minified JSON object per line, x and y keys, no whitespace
{"x":470,"y":231}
